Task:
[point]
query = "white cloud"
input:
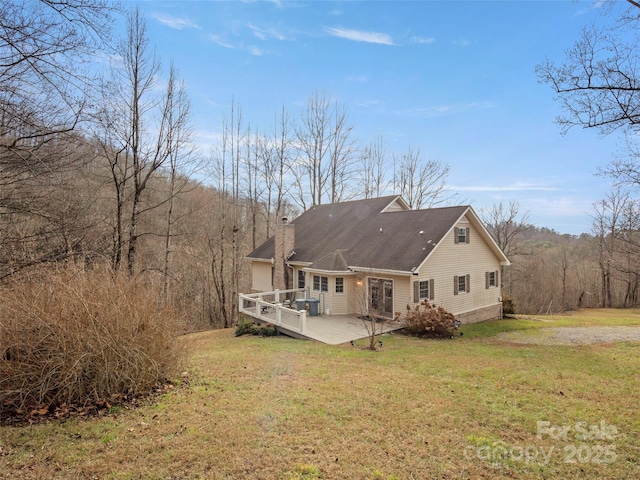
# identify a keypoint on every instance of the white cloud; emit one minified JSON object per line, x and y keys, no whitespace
{"x":369,"y":103}
{"x":263,"y":34}
{"x":218,"y":40}
{"x":255,"y":51}
{"x":360,"y":36}
{"x":422,"y":40}
{"x":357,"y":78}
{"x":514,"y":187}
{"x":176,"y":23}
{"x":462,"y":42}
{"x":562,"y":206}
{"x":440,"y":110}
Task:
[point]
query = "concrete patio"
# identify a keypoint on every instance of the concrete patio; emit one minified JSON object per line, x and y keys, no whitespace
{"x":266,"y":307}
{"x":337,"y":329}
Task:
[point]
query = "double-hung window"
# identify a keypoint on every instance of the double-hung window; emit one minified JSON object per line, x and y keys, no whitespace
{"x":461,"y":235}
{"x":320,"y":284}
{"x":491,"y":279}
{"x":461,"y":284}
{"x":423,"y":290}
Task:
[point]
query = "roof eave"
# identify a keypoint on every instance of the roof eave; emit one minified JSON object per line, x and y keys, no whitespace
{"x":257,"y":259}
{"x":328,"y":272}
{"x":374,"y":270}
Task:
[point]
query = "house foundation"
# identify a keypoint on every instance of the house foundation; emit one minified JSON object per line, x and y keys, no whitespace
{"x":488,"y":313}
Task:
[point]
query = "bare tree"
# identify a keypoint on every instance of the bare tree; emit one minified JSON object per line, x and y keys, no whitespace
{"x":43,"y":88}
{"x":422,"y":184}
{"x":371,"y":169}
{"x":326,"y":152}
{"x":139,"y":129}
{"x":274,"y":165}
{"x":342,"y":151}
{"x":624,"y":169}
{"x":225,"y":244}
{"x":598,"y":83}
{"x":506,"y":223}
{"x":607,"y":228}
{"x":253,"y":185}
{"x":44,"y":92}
{"x":313,"y":135}
{"x":180,"y":152}
{"x":629,"y":263}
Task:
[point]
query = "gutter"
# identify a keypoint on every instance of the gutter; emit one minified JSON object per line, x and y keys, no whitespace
{"x":401,"y":273}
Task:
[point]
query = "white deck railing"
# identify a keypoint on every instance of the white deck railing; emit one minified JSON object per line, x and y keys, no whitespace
{"x":274,"y":307}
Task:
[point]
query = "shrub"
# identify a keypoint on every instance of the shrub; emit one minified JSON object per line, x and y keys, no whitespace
{"x":250,"y":328}
{"x":426,"y":320}
{"x":508,"y":306}
{"x":74,"y":338}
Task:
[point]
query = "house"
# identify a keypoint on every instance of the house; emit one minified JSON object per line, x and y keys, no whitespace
{"x":376,"y":256}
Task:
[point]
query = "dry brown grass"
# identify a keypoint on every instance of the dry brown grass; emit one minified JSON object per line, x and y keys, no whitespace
{"x":71,"y":338}
{"x":278,"y":408}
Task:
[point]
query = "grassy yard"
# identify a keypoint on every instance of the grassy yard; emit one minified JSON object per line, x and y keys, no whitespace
{"x":279,"y":408}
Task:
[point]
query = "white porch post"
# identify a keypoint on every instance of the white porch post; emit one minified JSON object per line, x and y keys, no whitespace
{"x":278,"y":313}
{"x":303,"y":322}
{"x":277,"y":299}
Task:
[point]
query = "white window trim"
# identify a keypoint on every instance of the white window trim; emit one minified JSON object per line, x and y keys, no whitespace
{"x":462,"y":279}
{"x":456,"y":285}
{"x":420,"y":296}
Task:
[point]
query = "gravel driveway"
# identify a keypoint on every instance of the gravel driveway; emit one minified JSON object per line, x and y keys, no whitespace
{"x":572,"y":335}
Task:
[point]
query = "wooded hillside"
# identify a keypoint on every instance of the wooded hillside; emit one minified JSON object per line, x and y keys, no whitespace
{"x":100,"y":170}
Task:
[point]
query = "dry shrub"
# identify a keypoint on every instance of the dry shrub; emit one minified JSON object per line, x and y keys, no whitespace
{"x":426,"y":320}
{"x":73,"y":337}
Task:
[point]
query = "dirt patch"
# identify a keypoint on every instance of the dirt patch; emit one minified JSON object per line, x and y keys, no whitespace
{"x":572,"y":335}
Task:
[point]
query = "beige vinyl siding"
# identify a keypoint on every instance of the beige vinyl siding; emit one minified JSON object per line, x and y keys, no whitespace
{"x":261,"y":274}
{"x":296,"y":276}
{"x":401,"y":292}
{"x":338,"y":303}
{"x":394,"y":207}
{"x":451,"y":259}
{"x":356,"y":287}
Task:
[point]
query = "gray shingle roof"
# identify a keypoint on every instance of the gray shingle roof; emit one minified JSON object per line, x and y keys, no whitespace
{"x":356,"y":234}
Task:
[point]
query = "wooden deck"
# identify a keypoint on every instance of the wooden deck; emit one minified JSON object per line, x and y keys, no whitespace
{"x":337,"y":329}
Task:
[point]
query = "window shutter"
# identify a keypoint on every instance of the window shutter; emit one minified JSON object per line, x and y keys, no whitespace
{"x":497,"y":278}
{"x":468,"y":283}
{"x":455,"y":235}
{"x":431,"y":293}
{"x":486,"y":279}
{"x":416,"y":292}
{"x":455,"y":285}
{"x":467,"y":234}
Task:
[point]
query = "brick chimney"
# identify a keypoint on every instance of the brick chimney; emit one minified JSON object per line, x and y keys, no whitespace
{"x":284,"y":244}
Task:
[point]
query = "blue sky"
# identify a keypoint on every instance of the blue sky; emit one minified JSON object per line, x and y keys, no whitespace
{"x":453,"y":79}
